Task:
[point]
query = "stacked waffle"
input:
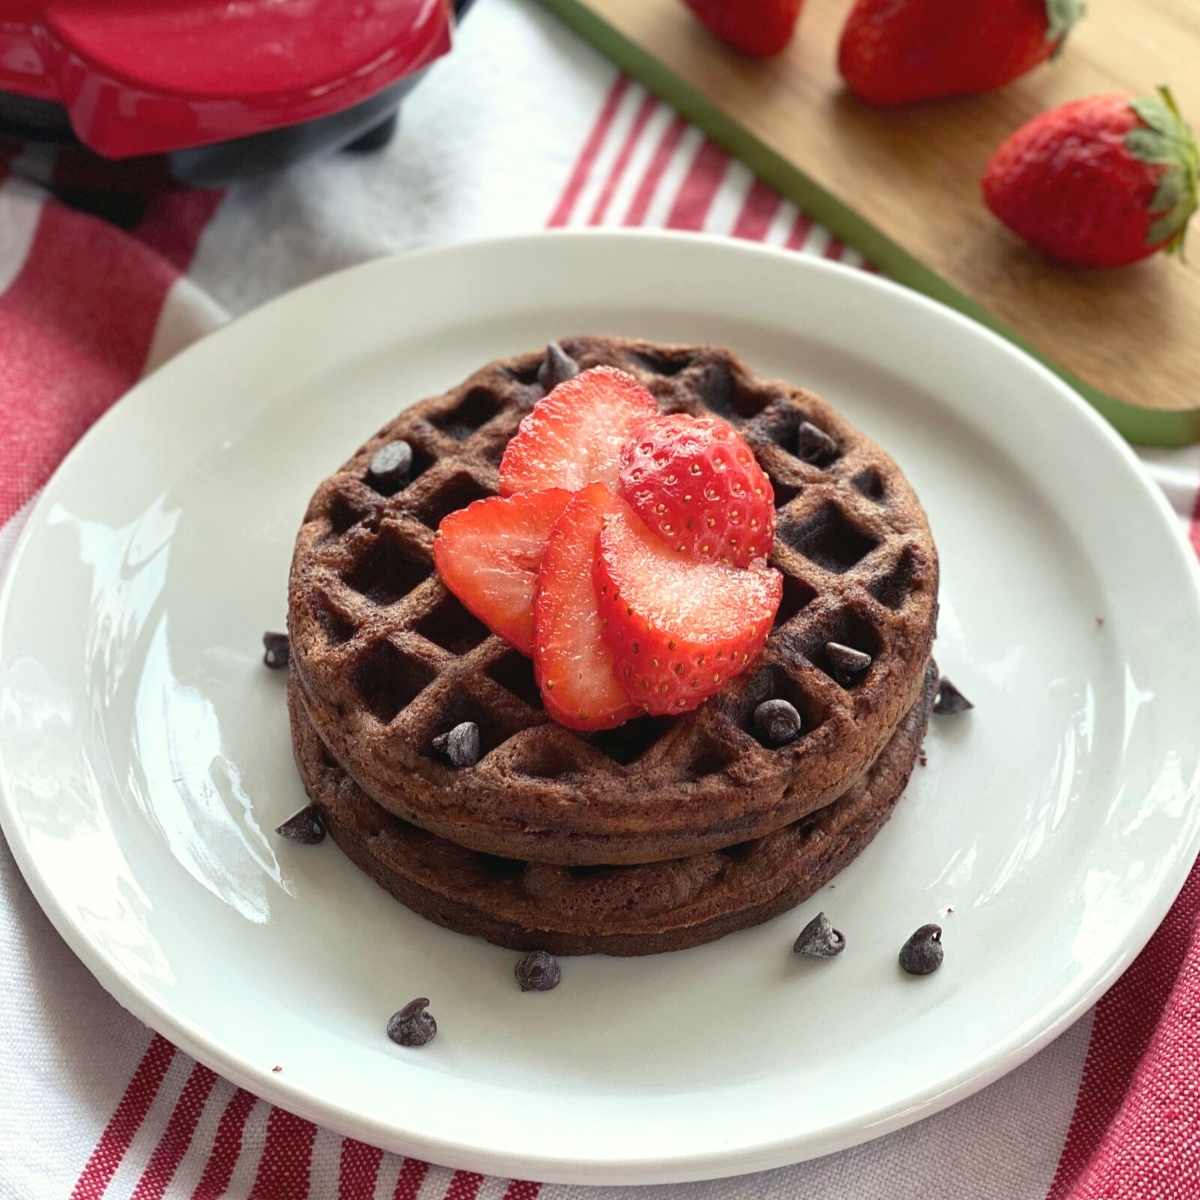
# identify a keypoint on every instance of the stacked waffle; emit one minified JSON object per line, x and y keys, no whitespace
{"x":666,"y":831}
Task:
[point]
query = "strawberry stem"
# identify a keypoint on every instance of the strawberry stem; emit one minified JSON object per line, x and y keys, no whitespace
{"x":1061,"y":16}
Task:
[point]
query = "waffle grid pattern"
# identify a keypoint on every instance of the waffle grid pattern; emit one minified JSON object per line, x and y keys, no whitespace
{"x":628,"y":910}
{"x":388,"y":658}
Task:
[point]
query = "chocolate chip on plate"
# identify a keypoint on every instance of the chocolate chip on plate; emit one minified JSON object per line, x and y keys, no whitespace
{"x":275,"y":650}
{"x":777,"y":722}
{"x":412,"y":1026}
{"x":949,"y":701}
{"x":557,"y":368}
{"x":460,"y":745}
{"x":538,"y":971}
{"x":814,"y":445}
{"x":305,"y":827}
{"x":846,"y":662}
{"x":819,"y":939}
{"x":389,"y":467}
{"x":922,"y":954}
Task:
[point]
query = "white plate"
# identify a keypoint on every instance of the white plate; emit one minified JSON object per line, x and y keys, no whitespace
{"x":145,"y":754}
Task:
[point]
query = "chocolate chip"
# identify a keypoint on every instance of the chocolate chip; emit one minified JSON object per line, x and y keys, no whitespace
{"x":389,"y":467}
{"x":460,"y":745}
{"x":922,"y":953}
{"x":819,"y":939}
{"x":305,"y":827}
{"x":949,"y":700}
{"x":777,"y":722}
{"x":846,"y":662}
{"x":412,"y":1026}
{"x":275,"y":650}
{"x":538,"y":972}
{"x":557,"y":368}
{"x":815,"y":445}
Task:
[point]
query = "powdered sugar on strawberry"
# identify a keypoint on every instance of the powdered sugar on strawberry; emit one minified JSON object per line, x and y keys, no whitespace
{"x":574,"y":435}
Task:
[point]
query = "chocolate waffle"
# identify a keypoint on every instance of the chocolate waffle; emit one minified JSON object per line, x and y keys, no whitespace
{"x":388,"y":658}
{"x":626,"y":910}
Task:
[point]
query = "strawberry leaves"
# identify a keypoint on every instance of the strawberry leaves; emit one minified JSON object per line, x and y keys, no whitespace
{"x":1165,"y":139}
{"x":1061,"y":16}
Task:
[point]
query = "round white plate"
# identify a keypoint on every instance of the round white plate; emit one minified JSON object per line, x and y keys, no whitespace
{"x":145,"y":758}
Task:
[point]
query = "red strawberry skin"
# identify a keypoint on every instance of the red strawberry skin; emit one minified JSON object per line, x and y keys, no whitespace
{"x":678,"y":630}
{"x":573,"y":436}
{"x":759,"y":28}
{"x":901,"y":51}
{"x":488,"y":554}
{"x":695,"y":482}
{"x":1069,"y":184}
{"x":573,"y":664}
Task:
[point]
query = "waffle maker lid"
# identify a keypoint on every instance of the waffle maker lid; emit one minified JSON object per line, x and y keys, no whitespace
{"x":151,"y":76}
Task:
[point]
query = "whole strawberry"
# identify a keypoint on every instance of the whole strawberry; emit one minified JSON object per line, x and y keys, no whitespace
{"x":899,"y":51}
{"x":1099,"y":182}
{"x":756,"y":27}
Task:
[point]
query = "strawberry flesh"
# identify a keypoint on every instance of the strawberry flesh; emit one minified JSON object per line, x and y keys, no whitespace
{"x":572,"y":663}
{"x":488,"y":555}
{"x":678,"y":630}
{"x":695,"y":482}
{"x":573,"y":436}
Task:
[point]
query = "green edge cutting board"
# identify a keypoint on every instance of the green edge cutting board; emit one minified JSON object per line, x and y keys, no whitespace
{"x":902,"y":185}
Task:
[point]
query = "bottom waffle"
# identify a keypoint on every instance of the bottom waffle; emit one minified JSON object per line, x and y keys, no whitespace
{"x":625,"y":910}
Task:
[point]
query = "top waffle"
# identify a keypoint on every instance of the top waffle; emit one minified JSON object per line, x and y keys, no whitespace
{"x":387,"y":658}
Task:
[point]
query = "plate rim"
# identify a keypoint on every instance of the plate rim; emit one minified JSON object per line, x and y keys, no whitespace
{"x":1018,"y":1046}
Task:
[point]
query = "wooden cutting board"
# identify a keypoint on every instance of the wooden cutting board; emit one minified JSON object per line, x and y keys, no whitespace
{"x":902,"y":186}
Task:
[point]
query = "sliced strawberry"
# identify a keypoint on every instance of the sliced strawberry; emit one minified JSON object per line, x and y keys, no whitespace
{"x":696,"y":483}
{"x":679,"y":630}
{"x":574,"y":435}
{"x":573,"y":665}
{"x":488,"y":555}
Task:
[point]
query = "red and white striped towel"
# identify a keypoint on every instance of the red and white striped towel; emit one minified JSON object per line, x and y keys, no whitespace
{"x":97,"y":1106}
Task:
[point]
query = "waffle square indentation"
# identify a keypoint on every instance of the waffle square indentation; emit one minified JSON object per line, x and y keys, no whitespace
{"x":514,"y":673}
{"x":784,"y":426}
{"x":709,"y":758}
{"x":771,"y":682}
{"x":633,"y":740}
{"x":495,"y":726}
{"x":848,"y":629}
{"x":663,"y":362}
{"x":721,"y":393}
{"x":797,"y":595}
{"x":829,"y":538}
{"x":344,"y":514}
{"x":338,"y":628}
{"x":457,"y":492}
{"x":870,"y":483}
{"x":785,"y":493}
{"x":388,"y":570}
{"x":472,"y":412}
{"x":452,"y":626}
{"x":895,"y":587}
{"x":389,"y":681}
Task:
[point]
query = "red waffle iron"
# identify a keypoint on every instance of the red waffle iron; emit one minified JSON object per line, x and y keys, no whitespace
{"x":99,"y":95}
